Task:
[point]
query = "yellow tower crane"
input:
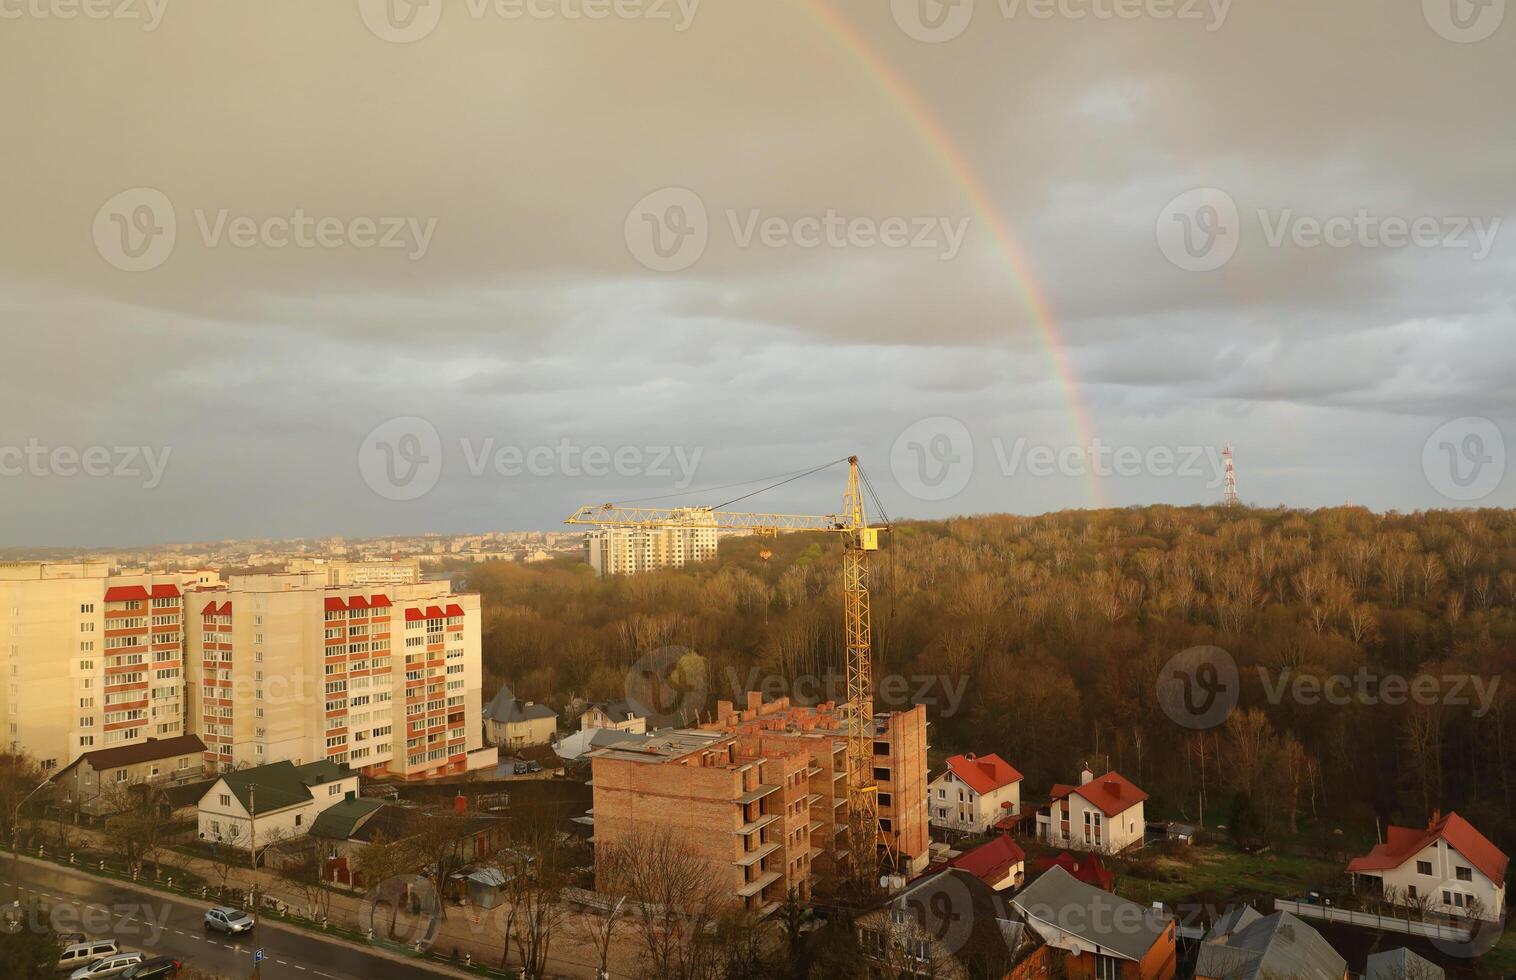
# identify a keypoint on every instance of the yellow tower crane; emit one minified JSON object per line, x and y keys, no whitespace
{"x":859,"y":538}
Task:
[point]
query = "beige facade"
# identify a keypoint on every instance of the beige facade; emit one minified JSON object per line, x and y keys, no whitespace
{"x":624,"y":551}
{"x":93,"y":660}
{"x":383,"y":678}
{"x":341,"y":572}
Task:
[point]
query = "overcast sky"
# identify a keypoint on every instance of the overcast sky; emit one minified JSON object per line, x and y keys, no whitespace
{"x":284,"y":268}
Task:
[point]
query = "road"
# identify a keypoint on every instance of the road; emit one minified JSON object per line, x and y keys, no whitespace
{"x":165,"y":925}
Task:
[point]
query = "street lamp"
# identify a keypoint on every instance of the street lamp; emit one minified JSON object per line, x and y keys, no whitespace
{"x":16,"y":845}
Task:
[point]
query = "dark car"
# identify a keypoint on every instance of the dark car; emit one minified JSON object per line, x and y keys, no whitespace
{"x":157,"y":968}
{"x":519,"y":768}
{"x":534,"y":766}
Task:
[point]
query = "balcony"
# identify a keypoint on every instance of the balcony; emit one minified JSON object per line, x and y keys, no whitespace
{"x":755,"y":825}
{"x":750,"y":858}
{"x":758,"y":884}
{"x":755,"y":795}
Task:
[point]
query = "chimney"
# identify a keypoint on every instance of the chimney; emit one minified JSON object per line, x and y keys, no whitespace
{"x":1113,"y":787}
{"x":971,"y":757}
{"x":1085,"y":776}
{"x":1436,"y":819}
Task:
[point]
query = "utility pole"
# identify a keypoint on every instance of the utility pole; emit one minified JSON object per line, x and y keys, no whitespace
{"x":252,"y":846}
{"x":16,"y":846}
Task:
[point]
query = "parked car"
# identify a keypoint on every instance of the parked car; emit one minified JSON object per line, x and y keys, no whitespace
{"x":157,"y":968}
{"x":228,"y":920}
{"x":110,"y":966}
{"x":519,"y":768}
{"x":72,"y":938}
{"x":534,"y":766}
{"x":84,"y":953}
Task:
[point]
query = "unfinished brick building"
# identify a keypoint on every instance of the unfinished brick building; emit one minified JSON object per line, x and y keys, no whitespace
{"x":761,"y":793}
{"x":900,"y":764}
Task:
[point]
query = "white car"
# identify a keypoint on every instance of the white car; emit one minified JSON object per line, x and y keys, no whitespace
{"x":228,"y":920}
{"x":86,"y":953}
{"x":110,"y":966}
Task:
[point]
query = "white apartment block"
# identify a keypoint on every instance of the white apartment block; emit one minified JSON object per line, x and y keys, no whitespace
{"x":383,"y":678}
{"x":343,"y":572}
{"x":624,"y":551}
{"x":92,"y":660}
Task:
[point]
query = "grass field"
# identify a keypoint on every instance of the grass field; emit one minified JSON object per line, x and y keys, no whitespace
{"x":1220,"y":875}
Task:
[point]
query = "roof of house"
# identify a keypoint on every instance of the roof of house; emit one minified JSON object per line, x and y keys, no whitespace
{"x":991,"y":862}
{"x":1086,"y":868}
{"x":148,"y":751}
{"x":339,"y":822}
{"x":1113,"y":793}
{"x":573,"y":747}
{"x":617,"y":711}
{"x":1262,"y":946}
{"x":1404,"y":843}
{"x":1099,"y":918}
{"x":961,"y":911}
{"x":983,"y":773}
{"x":1400,"y":964}
{"x":281,"y":784}
{"x":508,"y":709}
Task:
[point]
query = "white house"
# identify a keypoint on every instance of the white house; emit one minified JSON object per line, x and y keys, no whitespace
{"x":1448,"y":867}
{"x":617,"y":715}
{"x":264,"y":805}
{"x":973,"y":794}
{"x":1103,"y":815}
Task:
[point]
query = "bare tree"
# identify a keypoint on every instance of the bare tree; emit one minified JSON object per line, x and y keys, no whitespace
{"x":305,"y":872}
{"x":673,"y":900}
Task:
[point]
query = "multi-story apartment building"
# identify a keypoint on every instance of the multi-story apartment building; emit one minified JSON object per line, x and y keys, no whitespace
{"x":761,"y":794}
{"x":623,"y":551}
{"x":383,"y":678}
{"x":93,"y":660}
{"x":346,"y":571}
{"x":744,"y":812}
{"x":899,"y":761}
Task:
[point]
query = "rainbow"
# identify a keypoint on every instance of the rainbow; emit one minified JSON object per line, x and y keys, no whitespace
{"x":952,"y":158}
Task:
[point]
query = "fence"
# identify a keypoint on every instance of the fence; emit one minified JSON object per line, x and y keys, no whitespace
{"x":1368,"y":920}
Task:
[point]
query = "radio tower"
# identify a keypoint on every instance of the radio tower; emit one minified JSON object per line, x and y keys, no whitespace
{"x":1231,"y":478}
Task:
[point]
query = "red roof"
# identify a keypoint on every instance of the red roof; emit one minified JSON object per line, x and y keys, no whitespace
{"x":411,"y":615}
{"x":1113,"y":793}
{"x":380,"y":600}
{"x":991,"y":862}
{"x":1086,"y":868}
{"x":333,"y":603}
{"x":455,"y":610}
{"x":211,"y":610}
{"x":165,"y":591}
{"x":985,"y":773}
{"x":121,"y":593}
{"x":357,"y":602}
{"x":434,"y":612}
{"x":1404,"y":843}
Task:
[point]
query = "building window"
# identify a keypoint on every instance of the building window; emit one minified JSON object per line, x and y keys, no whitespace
{"x":226,"y":799}
{"x":1424,"y":868}
{"x":1464,"y":874}
{"x":1107,"y":968}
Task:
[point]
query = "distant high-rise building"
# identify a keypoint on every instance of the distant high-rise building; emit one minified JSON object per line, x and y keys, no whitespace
{"x":385,"y":678}
{"x":93,"y":660}
{"x":623,"y":551}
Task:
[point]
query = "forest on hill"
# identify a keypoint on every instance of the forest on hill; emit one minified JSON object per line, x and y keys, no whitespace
{"x":1372,"y":652}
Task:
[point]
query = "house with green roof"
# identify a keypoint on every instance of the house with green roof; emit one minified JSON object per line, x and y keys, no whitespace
{"x":253,"y":808}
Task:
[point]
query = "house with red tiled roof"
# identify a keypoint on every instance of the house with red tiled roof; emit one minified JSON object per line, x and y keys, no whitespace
{"x":1000,"y":863}
{"x":1102,"y":814}
{"x":1446,"y":867}
{"x":1086,"y":868}
{"x":973,"y":793}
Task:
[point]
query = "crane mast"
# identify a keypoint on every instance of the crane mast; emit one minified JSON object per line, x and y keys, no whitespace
{"x":858,"y":540}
